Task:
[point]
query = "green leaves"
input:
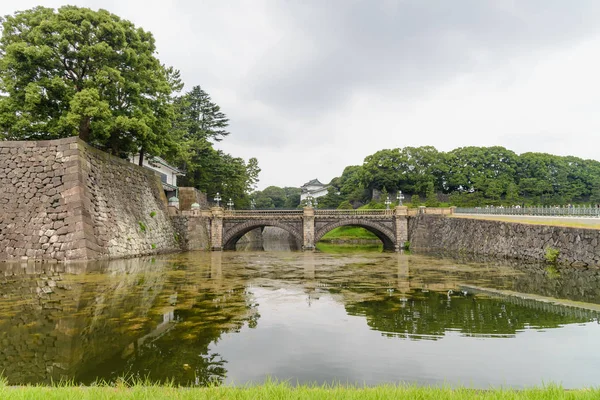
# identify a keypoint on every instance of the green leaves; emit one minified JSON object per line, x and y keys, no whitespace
{"x":473,"y":176}
{"x":75,"y":71}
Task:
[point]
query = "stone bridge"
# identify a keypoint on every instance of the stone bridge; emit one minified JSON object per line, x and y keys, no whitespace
{"x":307,"y":226}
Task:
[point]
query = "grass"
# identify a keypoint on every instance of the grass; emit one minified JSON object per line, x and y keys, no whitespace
{"x":275,"y":390}
{"x":591,"y":224}
{"x":348,"y":233}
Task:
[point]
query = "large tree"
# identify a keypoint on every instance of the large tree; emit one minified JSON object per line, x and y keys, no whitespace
{"x":75,"y":71}
{"x":198,"y":123}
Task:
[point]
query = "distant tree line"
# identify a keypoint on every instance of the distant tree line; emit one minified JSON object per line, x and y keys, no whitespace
{"x":464,"y":177}
{"x":469,"y":176}
{"x":79,"y":72}
{"x":276,"y":197}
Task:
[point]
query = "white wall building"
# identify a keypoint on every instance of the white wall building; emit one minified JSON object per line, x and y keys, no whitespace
{"x":168,"y":173}
{"x":313,"y":188}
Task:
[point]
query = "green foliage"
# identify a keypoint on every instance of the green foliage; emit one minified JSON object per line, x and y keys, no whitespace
{"x":153,"y":245}
{"x":176,"y":237}
{"x":552,"y":272}
{"x":332,"y":199}
{"x":551,"y":254}
{"x":415,"y":201}
{"x":406,"y":246}
{"x":152,"y":214}
{"x":292,"y":197}
{"x":384,"y":195}
{"x":199,"y":121}
{"x":345,"y":205}
{"x":276,"y":197}
{"x":349,"y":233}
{"x":75,"y":71}
{"x":472,"y":177}
{"x":512,"y":194}
{"x":373,"y":205}
{"x":431,"y":199}
{"x":142,"y":226}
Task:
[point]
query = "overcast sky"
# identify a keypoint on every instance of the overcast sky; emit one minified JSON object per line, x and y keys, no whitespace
{"x":313,"y":86}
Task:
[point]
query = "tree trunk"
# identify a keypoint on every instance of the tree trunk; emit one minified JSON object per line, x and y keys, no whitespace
{"x":141,"y":160}
{"x":84,"y":129}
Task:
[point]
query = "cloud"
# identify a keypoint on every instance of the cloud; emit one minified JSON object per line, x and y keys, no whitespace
{"x":312,"y":86}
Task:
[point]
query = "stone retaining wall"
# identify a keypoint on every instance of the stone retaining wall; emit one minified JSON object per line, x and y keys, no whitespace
{"x":64,"y":200}
{"x":578,"y":247}
{"x":192,"y":232}
{"x":189,"y":196}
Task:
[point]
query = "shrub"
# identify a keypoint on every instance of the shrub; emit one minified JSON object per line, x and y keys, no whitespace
{"x":415,"y":201}
{"x":551,"y":255}
{"x":345,"y":205}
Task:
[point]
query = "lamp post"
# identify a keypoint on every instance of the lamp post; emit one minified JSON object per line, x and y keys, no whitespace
{"x":252,"y":204}
{"x":309,"y":199}
{"x":230,"y":204}
{"x":218,"y":199}
{"x":400,"y":197}
{"x":387,"y":203}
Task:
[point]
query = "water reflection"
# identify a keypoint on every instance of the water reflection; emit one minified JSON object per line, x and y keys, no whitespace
{"x":179,"y":317}
{"x":141,"y":317}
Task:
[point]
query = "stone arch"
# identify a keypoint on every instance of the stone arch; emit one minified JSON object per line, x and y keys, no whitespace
{"x":232,"y":235}
{"x":384,"y":233}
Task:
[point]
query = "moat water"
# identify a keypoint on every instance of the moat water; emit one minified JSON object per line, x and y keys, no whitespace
{"x":350,"y":315}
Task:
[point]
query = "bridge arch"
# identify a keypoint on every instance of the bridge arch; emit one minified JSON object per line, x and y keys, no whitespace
{"x":231,"y":236}
{"x":384,"y":233}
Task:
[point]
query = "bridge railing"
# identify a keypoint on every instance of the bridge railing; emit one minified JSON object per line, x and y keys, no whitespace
{"x":548,"y":211}
{"x":275,"y":213}
{"x":354,"y":212}
{"x":261,"y":213}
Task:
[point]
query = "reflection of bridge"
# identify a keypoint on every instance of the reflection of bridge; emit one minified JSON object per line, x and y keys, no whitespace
{"x":307,"y":226}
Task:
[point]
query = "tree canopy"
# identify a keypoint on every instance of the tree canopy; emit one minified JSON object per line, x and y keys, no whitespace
{"x":79,"y":72}
{"x":469,"y":176}
{"x":74,"y":71}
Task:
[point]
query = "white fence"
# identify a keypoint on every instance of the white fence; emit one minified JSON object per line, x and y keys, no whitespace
{"x":548,"y":211}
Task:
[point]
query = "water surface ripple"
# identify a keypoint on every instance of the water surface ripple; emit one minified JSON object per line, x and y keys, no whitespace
{"x":239,"y":317}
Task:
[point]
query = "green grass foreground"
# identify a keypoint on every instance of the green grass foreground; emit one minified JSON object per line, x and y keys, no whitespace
{"x":271,"y":390}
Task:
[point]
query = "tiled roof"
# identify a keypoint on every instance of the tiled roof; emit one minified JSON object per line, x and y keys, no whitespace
{"x":314,"y":182}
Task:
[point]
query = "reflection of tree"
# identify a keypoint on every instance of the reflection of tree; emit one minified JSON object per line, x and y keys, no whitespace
{"x":428,"y":315}
{"x":182,"y":354}
{"x":129,"y":317}
{"x":55,"y":319}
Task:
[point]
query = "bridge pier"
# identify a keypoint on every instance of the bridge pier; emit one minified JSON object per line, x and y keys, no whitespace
{"x":308,"y":224}
{"x":216,"y":229}
{"x":401,"y":223}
